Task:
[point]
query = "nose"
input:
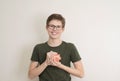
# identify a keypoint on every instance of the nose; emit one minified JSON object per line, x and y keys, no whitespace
{"x":55,"y":28}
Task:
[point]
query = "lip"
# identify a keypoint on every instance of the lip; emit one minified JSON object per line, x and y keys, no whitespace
{"x":54,"y":33}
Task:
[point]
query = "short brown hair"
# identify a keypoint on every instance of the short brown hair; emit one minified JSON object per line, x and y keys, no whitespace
{"x":56,"y":17}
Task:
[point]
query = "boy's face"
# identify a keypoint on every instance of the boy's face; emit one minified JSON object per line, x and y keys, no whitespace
{"x":55,"y":29}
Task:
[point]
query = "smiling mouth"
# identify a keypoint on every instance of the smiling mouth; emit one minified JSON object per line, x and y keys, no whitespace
{"x":53,"y":33}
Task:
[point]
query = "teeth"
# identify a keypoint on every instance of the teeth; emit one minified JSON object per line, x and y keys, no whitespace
{"x":54,"y":33}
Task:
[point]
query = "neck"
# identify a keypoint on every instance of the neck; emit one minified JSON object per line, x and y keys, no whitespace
{"x":54,"y":42}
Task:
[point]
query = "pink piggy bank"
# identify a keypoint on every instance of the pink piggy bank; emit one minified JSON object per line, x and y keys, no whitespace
{"x":56,"y":58}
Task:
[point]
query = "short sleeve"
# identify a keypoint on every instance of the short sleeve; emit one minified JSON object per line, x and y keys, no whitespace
{"x":74,"y":55}
{"x":35,"y":55}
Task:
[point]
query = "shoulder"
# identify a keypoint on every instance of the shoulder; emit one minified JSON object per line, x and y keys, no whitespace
{"x":69,"y":44}
{"x":40,"y":45}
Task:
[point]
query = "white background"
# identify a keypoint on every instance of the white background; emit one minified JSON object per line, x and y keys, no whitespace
{"x":92,"y":25}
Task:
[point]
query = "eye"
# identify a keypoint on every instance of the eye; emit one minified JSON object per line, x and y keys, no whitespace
{"x":52,"y":26}
{"x":58,"y":26}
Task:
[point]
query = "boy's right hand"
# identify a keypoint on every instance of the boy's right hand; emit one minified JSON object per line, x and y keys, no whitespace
{"x":52,"y":58}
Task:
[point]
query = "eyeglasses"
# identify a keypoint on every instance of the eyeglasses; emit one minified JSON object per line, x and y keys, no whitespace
{"x":58,"y":27}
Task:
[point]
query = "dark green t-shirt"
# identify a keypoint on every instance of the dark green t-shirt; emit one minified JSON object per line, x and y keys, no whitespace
{"x":68,"y":53}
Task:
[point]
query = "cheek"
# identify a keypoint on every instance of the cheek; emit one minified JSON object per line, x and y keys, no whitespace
{"x":61,"y":31}
{"x":48,"y":31}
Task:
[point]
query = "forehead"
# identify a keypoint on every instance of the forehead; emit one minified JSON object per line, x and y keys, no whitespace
{"x":55,"y":22}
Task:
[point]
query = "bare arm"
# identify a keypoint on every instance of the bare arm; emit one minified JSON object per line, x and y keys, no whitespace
{"x":35,"y":69}
{"x":76,"y":71}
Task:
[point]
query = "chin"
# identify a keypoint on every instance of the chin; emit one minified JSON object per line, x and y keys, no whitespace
{"x":54,"y":37}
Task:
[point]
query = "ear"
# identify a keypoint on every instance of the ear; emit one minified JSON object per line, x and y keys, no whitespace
{"x":46,"y":27}
{"x":63,"y":29}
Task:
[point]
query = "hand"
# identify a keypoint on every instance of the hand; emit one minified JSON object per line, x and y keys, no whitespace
{"x":48,"y":58}
{"x":53,"y":58}
{"x":56,"y":58}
